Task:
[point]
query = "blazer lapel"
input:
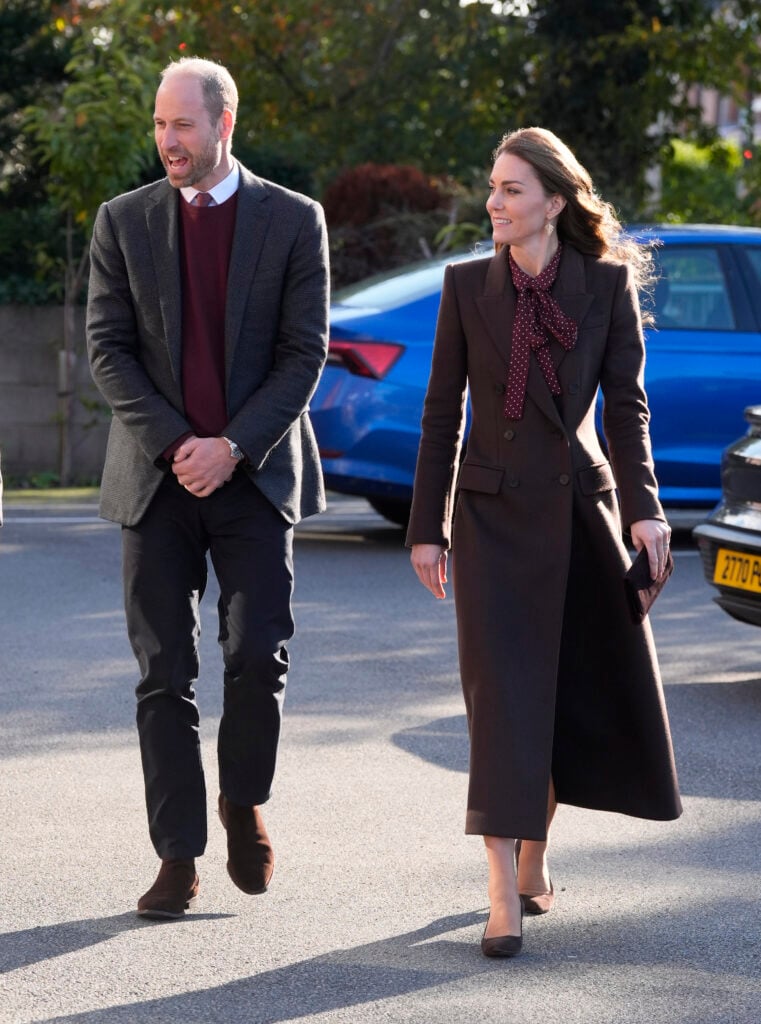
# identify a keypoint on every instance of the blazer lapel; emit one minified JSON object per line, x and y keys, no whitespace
{"x":161,"y":216}
{"x":251,"y":222}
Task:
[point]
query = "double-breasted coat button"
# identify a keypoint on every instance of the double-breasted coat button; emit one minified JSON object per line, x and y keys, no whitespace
{"x":573,"y":389}
{"x":509,"y":435}
{"x":500,"y":388}
{"x":513,"y":481}
{"x":564,"y":479}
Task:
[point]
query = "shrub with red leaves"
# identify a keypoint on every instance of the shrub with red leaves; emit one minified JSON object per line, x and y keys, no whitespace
{"x":372,"y":191}
{"x":381,"y":216}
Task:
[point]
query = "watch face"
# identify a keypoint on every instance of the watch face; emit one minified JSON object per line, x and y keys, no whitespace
{"x":235,"y":451}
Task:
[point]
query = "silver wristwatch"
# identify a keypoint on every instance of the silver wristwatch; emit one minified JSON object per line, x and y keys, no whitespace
{"x":235,"y":452}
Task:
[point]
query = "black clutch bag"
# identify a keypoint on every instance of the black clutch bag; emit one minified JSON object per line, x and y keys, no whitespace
{"x":641,"y":589}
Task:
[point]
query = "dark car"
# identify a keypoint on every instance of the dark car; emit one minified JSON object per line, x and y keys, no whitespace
{"x":703,"y":367}
{"x":730,"y":539}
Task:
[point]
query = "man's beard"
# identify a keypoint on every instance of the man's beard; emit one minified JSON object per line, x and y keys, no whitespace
{"x":199,"y":166}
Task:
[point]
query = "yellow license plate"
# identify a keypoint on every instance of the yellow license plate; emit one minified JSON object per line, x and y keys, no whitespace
{"x":737,"y":569}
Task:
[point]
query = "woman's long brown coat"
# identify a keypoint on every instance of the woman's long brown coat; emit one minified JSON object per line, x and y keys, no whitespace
{"x":557,"y":680}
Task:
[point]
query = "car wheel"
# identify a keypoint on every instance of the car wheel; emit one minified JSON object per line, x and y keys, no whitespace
{"x":396,"y":510}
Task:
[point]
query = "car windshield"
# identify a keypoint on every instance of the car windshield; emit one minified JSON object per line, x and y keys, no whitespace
{"x":403,"y":285}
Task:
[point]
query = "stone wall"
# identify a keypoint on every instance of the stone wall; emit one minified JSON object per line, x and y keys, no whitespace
{"x":30,"y":338}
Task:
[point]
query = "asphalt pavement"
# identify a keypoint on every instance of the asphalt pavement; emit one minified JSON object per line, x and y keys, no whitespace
{"x":378,"y":901}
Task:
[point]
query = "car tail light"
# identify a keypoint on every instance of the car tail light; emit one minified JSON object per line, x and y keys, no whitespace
{"x":364,"y":358}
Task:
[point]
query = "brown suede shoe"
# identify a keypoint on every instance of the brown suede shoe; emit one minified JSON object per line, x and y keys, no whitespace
{"x":174,"y":891}
{"x":250,"y":858}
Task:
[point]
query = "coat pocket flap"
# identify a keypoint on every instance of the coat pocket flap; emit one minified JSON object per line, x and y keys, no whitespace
{"x":487,"y":479}
{"x":595,"y":479}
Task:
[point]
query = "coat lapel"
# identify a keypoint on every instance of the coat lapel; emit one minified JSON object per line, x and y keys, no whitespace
{"x":497,"y":304}
{"x":251,"y":223}
{"x":570,"y":291}
{"x":161,"y":216}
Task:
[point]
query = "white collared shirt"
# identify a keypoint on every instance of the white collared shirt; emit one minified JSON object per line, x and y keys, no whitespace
{"x":221,"y":192}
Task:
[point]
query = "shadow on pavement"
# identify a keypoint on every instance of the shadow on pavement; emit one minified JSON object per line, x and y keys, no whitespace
{"x":33,"y":945}
{"x":443,"y":742}
{"x":405,"y":963}
{"x":422,"y":960}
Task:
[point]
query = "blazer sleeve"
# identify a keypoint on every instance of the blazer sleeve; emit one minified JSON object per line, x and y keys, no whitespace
{"x":443,"y":426}
{"x":626,"y":417}
{"x":113,"y":346}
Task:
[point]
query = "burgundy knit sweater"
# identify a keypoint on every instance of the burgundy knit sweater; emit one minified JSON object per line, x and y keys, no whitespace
{"x":206,"y":235}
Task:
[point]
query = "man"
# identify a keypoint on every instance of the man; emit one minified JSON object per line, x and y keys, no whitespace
{"x":207,"y":332}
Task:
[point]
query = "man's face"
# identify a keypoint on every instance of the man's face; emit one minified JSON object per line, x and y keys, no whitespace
{"x":189,"y":145}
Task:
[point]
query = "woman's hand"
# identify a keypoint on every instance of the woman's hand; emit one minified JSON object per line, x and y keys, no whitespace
{"x":655,"y":535}
{"x":430,"y":563}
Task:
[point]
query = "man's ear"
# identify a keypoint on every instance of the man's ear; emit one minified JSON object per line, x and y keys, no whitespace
{"x":226,"y":125}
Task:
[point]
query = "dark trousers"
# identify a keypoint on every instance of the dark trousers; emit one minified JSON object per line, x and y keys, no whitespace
{"x":165,"y":572}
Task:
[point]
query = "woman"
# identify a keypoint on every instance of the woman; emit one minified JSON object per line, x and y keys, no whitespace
{"x":562,"y":690}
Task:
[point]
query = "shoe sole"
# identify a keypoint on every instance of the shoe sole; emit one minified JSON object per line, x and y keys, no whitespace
{"x":170,"y":915}
{"x":248,"y":892}
{"x":500,"y":954}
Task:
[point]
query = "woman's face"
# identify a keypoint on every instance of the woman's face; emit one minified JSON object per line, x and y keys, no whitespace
{"x":518,"y":205}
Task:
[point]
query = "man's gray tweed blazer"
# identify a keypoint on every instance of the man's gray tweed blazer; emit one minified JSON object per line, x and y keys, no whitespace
{"x":275,"y":341}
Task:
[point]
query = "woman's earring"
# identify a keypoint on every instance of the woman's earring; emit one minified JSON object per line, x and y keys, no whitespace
{"x":549,"y":227}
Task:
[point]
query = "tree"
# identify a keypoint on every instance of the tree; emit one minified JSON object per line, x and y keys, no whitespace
{"x":95,"y":141}
{"x":382,"y":81}
{"x":737,"y":73}
{"x":611,"y":79}
{"x":699,"y":184}
{"x":32,"y":69}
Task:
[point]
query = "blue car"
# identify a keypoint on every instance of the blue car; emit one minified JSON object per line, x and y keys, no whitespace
{"x":703,"y":367}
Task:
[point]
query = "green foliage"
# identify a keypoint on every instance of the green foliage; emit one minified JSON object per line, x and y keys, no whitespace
{"x":735,"y":67}
{"x":276,"y":163}
{"x":609,"y":78}
{"x":91,"y":144}
{"x":325,"y":87}
{"x":40,"y":481}
{"x":383,"y":81}
{"x":91,"y":136}
{"x":34,"y":56}
{"x":28,"y":259}
{"x":706,"y":184}
{"x":461,"y":235}
{"x":97,"y":140}
{"x":23,"y":290}
{"x":32,"y":68}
